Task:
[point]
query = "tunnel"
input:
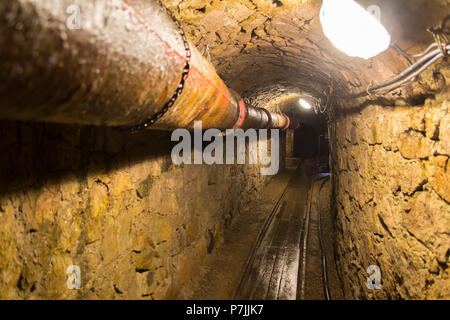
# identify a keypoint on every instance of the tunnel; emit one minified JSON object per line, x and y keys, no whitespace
{"x":224,"y":150}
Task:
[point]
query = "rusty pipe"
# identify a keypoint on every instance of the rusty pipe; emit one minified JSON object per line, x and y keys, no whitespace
{"x":280,"y":120}
{"x":118,"y":67}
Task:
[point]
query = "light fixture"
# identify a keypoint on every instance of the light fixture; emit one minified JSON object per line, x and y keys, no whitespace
{"x":352,"y":29}
{"x":305,"y":104}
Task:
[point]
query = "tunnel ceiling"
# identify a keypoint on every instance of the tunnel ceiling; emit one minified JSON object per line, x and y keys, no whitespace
{"x":269,"y":49}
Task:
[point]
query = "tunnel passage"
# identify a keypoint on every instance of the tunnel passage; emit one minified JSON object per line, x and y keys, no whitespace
{"x":140,"y":227}
{"x":306,"y":142}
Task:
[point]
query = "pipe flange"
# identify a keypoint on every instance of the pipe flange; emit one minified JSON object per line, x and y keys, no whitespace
{"x":242,"y":115}
{"x":288,"y":122}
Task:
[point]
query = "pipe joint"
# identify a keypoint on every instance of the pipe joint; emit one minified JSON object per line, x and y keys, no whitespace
{"x":242,"y":114}
{"x":288,"y":122}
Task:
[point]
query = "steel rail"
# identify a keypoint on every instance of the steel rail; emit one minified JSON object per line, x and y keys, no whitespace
{"x":326,"y":287}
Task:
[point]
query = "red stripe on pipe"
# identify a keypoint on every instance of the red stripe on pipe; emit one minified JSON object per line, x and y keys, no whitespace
{"x":169,"y":50}
{"x":242,"y":114}
{"x":288,"y":124}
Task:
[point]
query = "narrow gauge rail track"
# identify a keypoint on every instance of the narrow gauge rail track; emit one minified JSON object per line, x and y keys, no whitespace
{"x":322,"y":178}
{"x":280,"y":254}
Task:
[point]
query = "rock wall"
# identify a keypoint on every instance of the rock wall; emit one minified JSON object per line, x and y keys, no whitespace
{"x":391,"y":186}
{"x":113,"y":204}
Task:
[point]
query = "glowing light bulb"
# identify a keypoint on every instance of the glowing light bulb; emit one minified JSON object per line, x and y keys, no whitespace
{"x":352,"y":29}
{"x":305,"y":104}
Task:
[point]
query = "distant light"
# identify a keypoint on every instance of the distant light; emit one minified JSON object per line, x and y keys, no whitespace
{"x":352,"y":29}
{"x":305,"y":104}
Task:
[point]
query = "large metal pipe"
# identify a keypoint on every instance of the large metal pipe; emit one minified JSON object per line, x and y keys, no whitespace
{"x":120,"y":67}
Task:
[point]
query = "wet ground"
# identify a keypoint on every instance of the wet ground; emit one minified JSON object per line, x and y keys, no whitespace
{"x":311,"y":285}
{"x":263,"y":255}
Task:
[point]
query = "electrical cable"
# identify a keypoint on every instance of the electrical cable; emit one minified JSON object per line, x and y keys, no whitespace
{"x":429,"y":56}
{"x":431,"y":47}
{"x":418,"y":55}
{"x":415,"y":74}
{"x":403,"y":53}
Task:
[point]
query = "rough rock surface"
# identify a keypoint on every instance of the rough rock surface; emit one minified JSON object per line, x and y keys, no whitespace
{"x":138,"y":226}
{"x":390,"y":163}
{"x":113,"y":204}
{"x":278,"y":47}
{"x":391,"y":180}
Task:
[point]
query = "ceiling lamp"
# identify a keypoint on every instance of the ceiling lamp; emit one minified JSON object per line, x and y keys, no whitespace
{"x":305,"y":104}
{"x":352,"y":29}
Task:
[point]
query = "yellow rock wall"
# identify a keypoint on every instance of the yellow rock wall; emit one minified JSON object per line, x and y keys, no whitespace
{"x":114,"y":205}
{"x":391,"y":184}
